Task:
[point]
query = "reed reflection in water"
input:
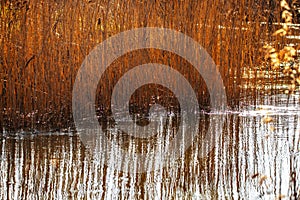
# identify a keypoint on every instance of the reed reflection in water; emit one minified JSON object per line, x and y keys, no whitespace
{"x":254,"y":158}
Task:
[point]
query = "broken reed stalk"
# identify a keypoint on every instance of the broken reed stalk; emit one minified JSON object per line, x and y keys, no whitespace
{"x":44,"y":44}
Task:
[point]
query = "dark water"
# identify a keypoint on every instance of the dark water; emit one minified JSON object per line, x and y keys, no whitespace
{"x":256,"y":156}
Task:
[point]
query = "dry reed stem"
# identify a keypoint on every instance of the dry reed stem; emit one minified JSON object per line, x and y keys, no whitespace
{"x":284,"y":58}
{"x":43,"y":45}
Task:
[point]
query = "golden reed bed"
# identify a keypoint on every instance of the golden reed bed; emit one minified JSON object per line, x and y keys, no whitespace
{"x":43,"y":44}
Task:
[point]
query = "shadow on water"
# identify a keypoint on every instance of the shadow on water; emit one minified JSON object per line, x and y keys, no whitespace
{"x":257,"y":156}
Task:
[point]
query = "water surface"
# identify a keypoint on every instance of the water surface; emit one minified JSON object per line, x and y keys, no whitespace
{"x":257,"y":156}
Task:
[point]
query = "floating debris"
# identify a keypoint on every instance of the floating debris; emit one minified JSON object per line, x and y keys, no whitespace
{"x":262,"y":179}
{"x":267,"y":119}
{"x":281,"y":196}
{"x":272,"y":128}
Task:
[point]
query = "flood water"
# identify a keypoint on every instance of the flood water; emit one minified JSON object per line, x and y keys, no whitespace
{"x":256,"y":156}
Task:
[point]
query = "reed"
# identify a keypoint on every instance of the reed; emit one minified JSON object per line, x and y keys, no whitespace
{"x":282,"y":54}
{"x":44,"y":43}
